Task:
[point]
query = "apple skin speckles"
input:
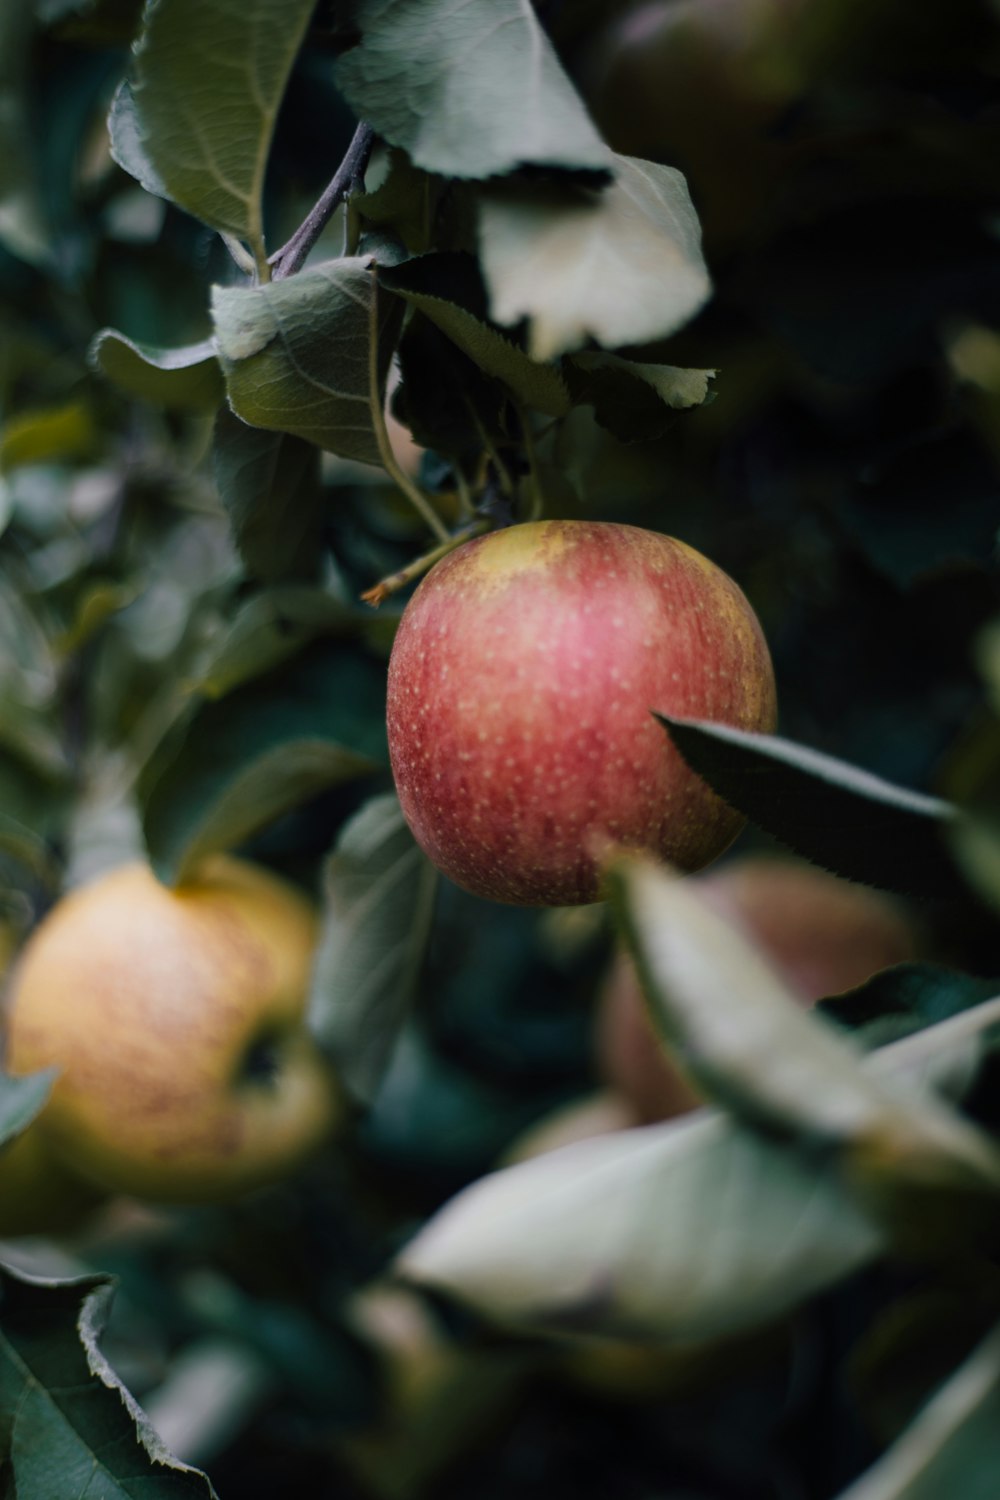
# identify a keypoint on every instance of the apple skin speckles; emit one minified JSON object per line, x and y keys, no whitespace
{"x":520,"y":696}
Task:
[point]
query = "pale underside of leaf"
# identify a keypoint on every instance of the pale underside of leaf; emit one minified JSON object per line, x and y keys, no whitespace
{"x":469,"y":88}
{"x":621,"y":266}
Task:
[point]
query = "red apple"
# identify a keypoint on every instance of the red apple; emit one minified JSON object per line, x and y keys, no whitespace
{"x":520,"y":692}
{"x":821,"y":934}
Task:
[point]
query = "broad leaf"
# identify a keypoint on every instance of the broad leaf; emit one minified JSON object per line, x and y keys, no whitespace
{"x":207,"y":81}
{"x":269,"y":483}
{"x":840,"y":817}
{"x":188,"y":377}
{"x":747,"y":1041}
{"x":23,"y":230}
{"x":469,"y":90}
{"x":67,"y":1424}
{"x":447,"y":288}
{"x":611,"y":1235}
{"x":21,"y":1099}
{"x":295,"y":354}
{"x":378,"y":892}
{"x":952,"y":1448}
{"x":632,"y":400}
{"x":622,"y":265}
{"x":239,"y":763}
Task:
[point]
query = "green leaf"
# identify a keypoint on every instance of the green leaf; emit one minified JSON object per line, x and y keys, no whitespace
{"x":266,"y":630}
{"x":473,"y":90}
{"x":21,"y":1099}
{"x":621,"y":266}
{"x":906,"y":998}
{"x":295,"y":354}
{"x":207,"y":81}
{"x":952,"y":1448}
{"x":447,"y":289}
{"x":378,"y":894}
{"x":404,"y":202}
{"x":58,"y":432}
{"x":745,"y":1038}
{"x":609,"y":1236}
{"x":634,"y":401}
{"x":269,"y":483}
{"x":832,"y":813}
{"x":67,"y":1424}
{"x":183,"y":378}
{"x":23,"y":230}
{"x":262,"y":750}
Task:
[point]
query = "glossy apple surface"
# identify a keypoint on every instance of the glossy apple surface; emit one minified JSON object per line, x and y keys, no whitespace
{"x":175,"y":1017}
{"x":520,"y":692}
{"x":821,"y":934}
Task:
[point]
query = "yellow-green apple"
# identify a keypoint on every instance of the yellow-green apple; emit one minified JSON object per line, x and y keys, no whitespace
{"x":521,"y":688}
{"x":821,"y":934}
{"x":176,"y":1020}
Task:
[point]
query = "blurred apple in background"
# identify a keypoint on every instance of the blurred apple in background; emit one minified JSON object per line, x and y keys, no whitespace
{"x":821,"y":934}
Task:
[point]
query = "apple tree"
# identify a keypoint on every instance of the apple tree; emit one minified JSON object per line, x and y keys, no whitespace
{"x":299,"y":299}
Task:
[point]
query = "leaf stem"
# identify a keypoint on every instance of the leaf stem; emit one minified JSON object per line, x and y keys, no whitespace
{"x":348,"y":176}
{"x":413,"y":493}
{"x":420,"y":565}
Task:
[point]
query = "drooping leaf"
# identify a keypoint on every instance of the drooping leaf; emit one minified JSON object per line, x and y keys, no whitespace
{"x":21,"y":1099}
{"x":378,"y":892}
{"x":952,"y":1447}
{"x":269,"y":483}
{"x":67,"y":1424}
{"x":295,"y":353}
{"x":832,"y":813}
{"x":262,"y":750}
{"x":473,"y":90}
{"x":611,"y":1235}
{"x":621,"y":265}
{"x":206,"y":85}
{"x":633,"y":400}
{"x":748,"y":1042}
{"x":266,"y":630}
{"x":447,"y":288}
{"x":184,"y":378}
{"x":23,"y":230}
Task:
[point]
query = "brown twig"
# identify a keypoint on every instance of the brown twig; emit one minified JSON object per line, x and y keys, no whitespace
{"x":347,"y":178}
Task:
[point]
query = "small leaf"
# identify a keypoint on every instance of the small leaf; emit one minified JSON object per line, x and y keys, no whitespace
{"x":634,"y":401}
{"x":269,"y":483}
{"x":378,"y":893}
{"x":262,"y":750}
{"x":58,"y":432}
{"x":403,"y":202}
{"x":266,"y":630}
{"x":473,"y":90}
{"x":952,"y":1448}
{"x":747,"y":1041}
{"x":21,"y":1099}
{"x":906,"y":998}
{"x":622,"y":265}
{"x":447,"y":289}
{"x":68,"y":1425}
{"x":832,"y":813}
{"x":295,"y":354}
{"x":183,"y":378}
{"x":206,"y":84}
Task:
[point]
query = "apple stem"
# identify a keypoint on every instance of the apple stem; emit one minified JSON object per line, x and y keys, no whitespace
{"x":412,"y":492}
{"x":420,"y":565}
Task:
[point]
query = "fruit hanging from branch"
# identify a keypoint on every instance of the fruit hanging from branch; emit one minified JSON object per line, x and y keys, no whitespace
{"x":521,"y":689}
{"x":176,"y":1020}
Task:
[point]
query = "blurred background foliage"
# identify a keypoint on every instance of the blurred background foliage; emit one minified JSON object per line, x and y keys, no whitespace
{"x":843,"y":158}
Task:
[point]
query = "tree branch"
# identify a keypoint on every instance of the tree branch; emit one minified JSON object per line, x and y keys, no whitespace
{"x":348,"y":176}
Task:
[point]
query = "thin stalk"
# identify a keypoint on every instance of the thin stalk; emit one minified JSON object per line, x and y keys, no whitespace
{"x":420,"y":565}
{"x":348,"y":176}
{"x":413,"y":493}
